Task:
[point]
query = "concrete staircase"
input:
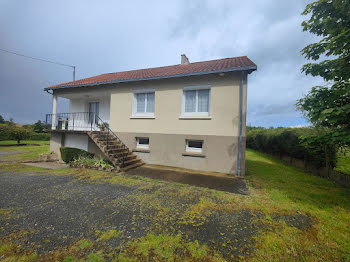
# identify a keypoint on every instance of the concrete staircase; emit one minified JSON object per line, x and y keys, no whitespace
{"x":115,"y":150}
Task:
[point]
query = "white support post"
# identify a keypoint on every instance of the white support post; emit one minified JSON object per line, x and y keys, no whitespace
{"x":54,"y":111}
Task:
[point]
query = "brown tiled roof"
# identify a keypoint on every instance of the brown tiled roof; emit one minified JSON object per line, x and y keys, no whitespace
{"x":198,"y":68}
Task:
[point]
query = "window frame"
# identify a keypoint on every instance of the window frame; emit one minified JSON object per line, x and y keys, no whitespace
{"x":195,"y":150}
{"x":195,"y":114}
{"x":136,"y":114}
{"x":142,"y":146}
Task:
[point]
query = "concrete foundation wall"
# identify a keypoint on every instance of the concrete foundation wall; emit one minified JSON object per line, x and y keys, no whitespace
{"x":219,"y":152}
{"x":77,"y":141}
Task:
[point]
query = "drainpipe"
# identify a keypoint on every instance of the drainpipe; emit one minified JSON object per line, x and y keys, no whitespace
{"x":240,"y":125}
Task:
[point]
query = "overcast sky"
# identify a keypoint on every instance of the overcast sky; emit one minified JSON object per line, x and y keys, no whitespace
{"x":111,"y":36}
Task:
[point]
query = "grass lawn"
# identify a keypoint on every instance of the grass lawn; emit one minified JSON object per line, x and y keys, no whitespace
{"x":276,"y":191}
{"x":343,"y":164}
{"x":13,"y":142}
{"x":32,"y":152}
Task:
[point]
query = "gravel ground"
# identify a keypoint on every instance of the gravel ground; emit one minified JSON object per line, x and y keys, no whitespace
{"x":57,"y":211}
{"x":223,"y":183}
{"x":48,"y":165}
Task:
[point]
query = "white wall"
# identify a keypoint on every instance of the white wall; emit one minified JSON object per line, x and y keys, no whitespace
{"x":76,"y":141}
{"x":82,"y":105}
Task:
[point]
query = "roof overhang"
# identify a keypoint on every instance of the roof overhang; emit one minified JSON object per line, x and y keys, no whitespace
{"x":249,"y":69}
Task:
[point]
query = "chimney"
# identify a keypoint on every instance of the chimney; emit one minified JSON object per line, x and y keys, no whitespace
{"x":184,"y":59}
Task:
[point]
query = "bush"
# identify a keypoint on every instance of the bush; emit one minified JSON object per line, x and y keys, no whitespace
{"x":95,"y":162}
{"x":39,"y":136}
{"x":68,"y":154}
{"x":301,"y":143}
{"x":4,"y":132}
{"x":18,"y":133}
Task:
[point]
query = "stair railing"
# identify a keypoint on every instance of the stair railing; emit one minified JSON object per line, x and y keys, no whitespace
{"x":111,"y":135}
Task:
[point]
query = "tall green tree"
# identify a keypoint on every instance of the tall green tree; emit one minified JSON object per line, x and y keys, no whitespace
{"x":329,"y":106}
{"x":2,"y":120}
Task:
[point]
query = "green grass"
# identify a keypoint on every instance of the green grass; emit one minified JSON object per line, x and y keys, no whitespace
{"x":279,"y":187}
{"x":343,"y":163}
{"x":32,"y":153}
{"x":13,"y":142}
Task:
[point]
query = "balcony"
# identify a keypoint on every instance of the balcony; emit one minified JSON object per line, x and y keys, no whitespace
{"x":78,"y":121}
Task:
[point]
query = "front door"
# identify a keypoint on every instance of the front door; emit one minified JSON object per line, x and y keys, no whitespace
{"x":94,"y":109}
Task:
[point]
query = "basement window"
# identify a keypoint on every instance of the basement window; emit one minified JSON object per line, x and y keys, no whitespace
{"x":194,"y":146}
{"x":142,"y":142}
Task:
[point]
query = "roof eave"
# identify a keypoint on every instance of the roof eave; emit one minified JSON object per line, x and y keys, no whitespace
{"x":246,"y":68}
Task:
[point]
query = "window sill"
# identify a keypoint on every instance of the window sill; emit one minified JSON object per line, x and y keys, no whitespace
{"x":142,"y":150}
{"x":142,"y":117}
{"x":193,"y":154}
{"x":195,"y":117}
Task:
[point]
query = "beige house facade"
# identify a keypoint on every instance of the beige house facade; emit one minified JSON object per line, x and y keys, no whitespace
{"x":194,"y":120}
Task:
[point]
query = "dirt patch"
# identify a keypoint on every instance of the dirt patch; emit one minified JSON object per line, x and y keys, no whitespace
{"x":223,"y":183}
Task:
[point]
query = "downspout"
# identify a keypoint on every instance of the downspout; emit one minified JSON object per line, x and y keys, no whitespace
{"x":240,"y":125}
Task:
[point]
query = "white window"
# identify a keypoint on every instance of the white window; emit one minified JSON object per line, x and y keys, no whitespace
{"x":196,"y":101}
{"x":142,"y":142}
{"x":143,"y":103}
{"x":194,"y":146}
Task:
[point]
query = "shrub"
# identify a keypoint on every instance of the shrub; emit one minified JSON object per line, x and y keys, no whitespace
{"x":300,"y":143}
{"x":39,"y":136}
{"x":18,"y":133}
{"x":68,"y":154}
{"x":4,"y":132}
{"x":96,"y":162}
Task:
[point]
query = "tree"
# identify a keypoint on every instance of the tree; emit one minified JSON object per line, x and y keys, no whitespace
{"x":39,"y":127}
{"x":329,"y":106}
{"x":18,"y":133}
{"x":2,"y":120}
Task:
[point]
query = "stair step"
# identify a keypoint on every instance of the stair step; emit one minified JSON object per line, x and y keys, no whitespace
{"x":130,"y":161}
{"x":114,"y":149}
{"x":127,"y":156}
{"x":132,"y":166}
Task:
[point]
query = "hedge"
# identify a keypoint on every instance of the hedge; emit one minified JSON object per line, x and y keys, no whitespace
{"x":4,"y":132}
{"x":39,"y":136}
{"x":299,"y":143}
{"x":68,"y":154}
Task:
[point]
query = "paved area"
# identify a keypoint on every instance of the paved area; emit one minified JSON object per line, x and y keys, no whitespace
{"x":45,"y":213}
{"x":59,"y":210}
{"x":48,"y":165}
{"x":222,"y":182}
{"x":13,"y":152}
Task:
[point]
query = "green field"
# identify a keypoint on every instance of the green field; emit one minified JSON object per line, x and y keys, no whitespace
{"x":275,"y":189}
{"x":343,"y":163}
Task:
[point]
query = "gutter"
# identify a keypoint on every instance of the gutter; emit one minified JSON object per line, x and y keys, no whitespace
{"x":247,"y":68}
{"x":240,"y":126}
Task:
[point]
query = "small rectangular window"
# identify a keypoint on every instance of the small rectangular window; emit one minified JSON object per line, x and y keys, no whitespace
{"x":194,"y":146}
{"x":142,"y":142}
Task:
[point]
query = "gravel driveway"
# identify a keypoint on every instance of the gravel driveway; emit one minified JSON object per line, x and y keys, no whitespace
{"x":45,"y":212}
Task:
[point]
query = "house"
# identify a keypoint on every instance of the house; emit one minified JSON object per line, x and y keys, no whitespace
{"x":190,"y":115}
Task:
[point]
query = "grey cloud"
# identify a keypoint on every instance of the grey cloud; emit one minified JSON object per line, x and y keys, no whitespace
{"x":111,"y":36}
